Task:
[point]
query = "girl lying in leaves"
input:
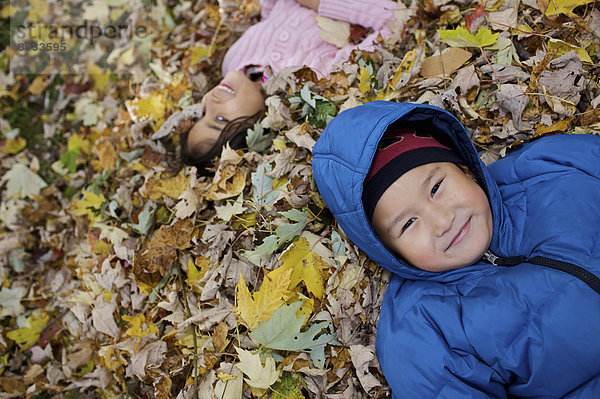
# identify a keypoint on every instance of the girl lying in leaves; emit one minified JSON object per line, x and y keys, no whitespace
{"x":286,"y":36}
{"x":495,"y":289}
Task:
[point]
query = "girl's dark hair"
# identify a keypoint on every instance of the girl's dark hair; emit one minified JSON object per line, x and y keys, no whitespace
{"x":233,"y":133}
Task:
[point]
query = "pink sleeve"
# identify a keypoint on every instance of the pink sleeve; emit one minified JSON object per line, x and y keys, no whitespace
{"x":368,"y":13}
{"x":266,"y":7}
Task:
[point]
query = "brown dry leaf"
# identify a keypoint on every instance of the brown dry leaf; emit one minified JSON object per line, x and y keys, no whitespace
{"x":444,"y":64}
{"x":106,"y":154}
{"x":177,"y":235}
{"x":219,"y":336}
{"x":13,"y":385}
{"x":300,"y":136}
{"x":158,"y":254}
{"x":229,"y":183}
{"x":512,"y":99}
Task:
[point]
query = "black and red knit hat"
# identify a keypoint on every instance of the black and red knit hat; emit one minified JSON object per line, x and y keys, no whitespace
{"x":399,"y":151}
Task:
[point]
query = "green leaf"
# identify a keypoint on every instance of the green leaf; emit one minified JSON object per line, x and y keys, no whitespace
{"x":257,"y":139}
{"x":282,"y":332}
{"x":325,"y":110}
{"x":145,"y":219}
{"x":269,"y":245}
{"x":305,"y":94}
{"x":461,"y":37}
{"x":287,"y":232}
{"x":262,"y":185}
{"x":289,"y":386}
{"x":337,"y":244}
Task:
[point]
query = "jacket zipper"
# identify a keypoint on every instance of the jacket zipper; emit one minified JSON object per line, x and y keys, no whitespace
{"x":587,"y":277}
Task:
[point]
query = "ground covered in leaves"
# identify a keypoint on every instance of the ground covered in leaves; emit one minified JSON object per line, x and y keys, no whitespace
{"x":121,"y":274}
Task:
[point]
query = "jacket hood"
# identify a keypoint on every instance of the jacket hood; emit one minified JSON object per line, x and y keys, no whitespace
{"x":342,"y":157}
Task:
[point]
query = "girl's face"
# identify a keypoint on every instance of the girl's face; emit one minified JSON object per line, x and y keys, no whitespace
{"x":235,"y":96}
{"x":436,"y":217}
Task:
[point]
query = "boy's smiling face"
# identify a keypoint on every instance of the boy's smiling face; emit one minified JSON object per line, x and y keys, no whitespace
{"x":436,"y":217}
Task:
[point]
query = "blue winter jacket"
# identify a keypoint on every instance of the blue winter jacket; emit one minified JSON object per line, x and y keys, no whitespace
{"x":485,"y":330}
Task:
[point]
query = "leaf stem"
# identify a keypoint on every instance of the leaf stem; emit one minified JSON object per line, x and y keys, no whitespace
{"x":551,"y":96}
{"x":189,"y":312}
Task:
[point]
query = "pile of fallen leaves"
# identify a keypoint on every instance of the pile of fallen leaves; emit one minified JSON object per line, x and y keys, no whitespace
{"x":122,"y":274}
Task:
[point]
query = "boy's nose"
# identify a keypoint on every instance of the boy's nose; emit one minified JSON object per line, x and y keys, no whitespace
{"x":442,"y":219}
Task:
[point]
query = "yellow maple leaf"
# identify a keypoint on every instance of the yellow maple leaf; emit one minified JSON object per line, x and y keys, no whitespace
{"x":252,"y":308}
{"x":561,"y":48}
{"x":139,"y":326}
{"x":305,"y":265}
{"x":8,"y":11}
{"x":197,"y":270}
{"x":39,"y":9}
{"x":39,"y":84}
{"x":173,"y":187}
{"x":13,"y":146}
{"x":364,"y":83}
{"x":154,"y":105}
{"x":405,"y":66}
{"x":99,"y":77}
{"x":77,"y":142}
{"x":28,"y":336}
{"x":110,"y":358}
{"x":198,"y":52}
{"x":461,"y":37}
{"x":90,"y":206}
{"x":566,"y":7}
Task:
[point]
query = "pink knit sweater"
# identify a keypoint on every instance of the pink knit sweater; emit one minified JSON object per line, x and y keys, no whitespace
{"x":288,"y":35}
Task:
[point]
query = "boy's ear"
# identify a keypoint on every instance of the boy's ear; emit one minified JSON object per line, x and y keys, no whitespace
{"x":467,"y":171}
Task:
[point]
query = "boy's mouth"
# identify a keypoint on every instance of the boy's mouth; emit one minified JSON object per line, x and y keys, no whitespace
{"x":464,"y":230}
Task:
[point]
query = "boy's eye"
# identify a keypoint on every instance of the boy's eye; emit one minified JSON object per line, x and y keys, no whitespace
{"x":436,"y":187}
{"x":407,"y":225}
{"x":221,"y":118}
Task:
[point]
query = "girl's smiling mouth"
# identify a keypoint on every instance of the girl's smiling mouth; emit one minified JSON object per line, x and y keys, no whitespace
{"x":226,"y":87}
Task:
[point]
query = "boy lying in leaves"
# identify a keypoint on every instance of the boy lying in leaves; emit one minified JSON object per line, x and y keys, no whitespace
{"x":495,"y":289}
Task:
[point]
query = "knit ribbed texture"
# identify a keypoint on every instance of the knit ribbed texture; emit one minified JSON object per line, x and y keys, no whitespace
{"x":288,"y":35}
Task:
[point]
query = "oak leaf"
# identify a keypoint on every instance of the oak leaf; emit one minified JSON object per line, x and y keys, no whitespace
{"x":282,"y":332}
